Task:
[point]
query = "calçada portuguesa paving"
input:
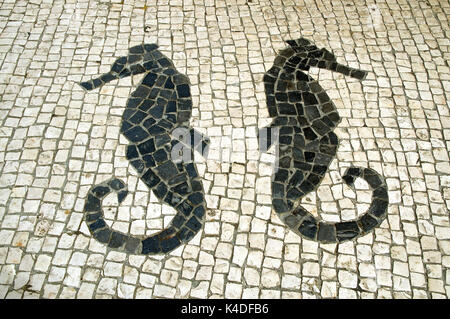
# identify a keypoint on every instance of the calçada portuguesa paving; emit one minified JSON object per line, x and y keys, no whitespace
{"x":349,"y":197}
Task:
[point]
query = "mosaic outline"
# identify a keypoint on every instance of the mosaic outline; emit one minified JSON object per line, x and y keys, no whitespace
{"x":156,"y":112}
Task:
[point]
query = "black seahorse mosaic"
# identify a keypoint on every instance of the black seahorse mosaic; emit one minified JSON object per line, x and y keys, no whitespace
{"x":155,"y":122}
{"x":305,"y":117}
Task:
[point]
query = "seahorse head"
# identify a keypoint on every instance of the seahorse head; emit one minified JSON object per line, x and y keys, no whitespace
{"x":141,"y":59}
{"x":303,"y":54}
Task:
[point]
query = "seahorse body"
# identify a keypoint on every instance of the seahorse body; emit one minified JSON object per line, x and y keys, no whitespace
{"x":305,"y":118}
{"x":155,"y":122}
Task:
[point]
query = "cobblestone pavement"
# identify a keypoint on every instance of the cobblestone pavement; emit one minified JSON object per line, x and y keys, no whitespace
{"x":57,"y":141}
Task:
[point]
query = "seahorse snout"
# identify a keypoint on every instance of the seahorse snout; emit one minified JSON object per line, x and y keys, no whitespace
{"x":141,"y":58}
{"x":354,"y":73}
